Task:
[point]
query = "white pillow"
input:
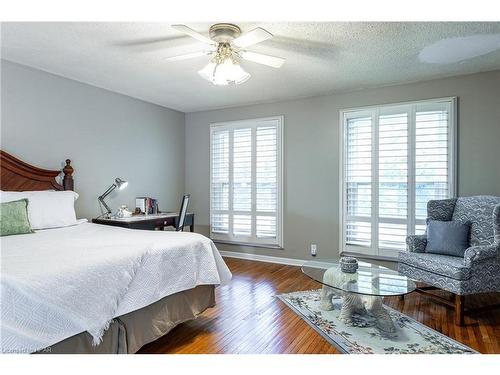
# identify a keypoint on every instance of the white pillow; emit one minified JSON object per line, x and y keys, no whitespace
{"x":48,"y":208}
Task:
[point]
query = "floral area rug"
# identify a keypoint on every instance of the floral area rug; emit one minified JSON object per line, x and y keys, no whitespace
{"x":362,"y":337}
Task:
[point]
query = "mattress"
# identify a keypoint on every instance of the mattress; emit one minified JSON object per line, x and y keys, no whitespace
{"x":57,"y":283}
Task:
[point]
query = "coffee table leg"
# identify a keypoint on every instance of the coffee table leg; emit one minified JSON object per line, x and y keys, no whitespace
{"x":351,"y":304}
{"x":382,"y":317}
{"x":326,"y":298}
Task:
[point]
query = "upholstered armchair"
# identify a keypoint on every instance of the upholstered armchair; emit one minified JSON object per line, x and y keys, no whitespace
{"x":478,"y":271}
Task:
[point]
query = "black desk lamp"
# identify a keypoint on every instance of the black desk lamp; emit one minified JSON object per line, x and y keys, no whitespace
{"x":120,"y":184}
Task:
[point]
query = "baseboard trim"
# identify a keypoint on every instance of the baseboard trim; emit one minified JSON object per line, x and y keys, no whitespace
{"x":262,"y":258}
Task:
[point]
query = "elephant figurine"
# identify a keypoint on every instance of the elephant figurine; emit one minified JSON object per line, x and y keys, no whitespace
{"x":353,"y":303}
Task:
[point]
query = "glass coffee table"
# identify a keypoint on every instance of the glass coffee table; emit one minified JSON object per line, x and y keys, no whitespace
{"x":361,"y":291}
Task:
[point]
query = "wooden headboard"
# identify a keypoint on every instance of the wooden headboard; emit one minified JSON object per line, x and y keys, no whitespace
{"x":16,"y":175}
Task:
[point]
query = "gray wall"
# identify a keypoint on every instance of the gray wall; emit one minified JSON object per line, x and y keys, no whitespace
{"x":46,"y":119}
{"x":311,"y":130}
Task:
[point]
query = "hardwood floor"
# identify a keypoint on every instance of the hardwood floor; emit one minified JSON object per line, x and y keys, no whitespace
{"x":249,"y":319}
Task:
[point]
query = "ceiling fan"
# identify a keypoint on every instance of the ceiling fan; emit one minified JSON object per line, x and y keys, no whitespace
{"x":226,"y":47}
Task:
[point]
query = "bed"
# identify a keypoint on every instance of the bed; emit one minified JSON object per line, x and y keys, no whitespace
{"x":90,"y":288}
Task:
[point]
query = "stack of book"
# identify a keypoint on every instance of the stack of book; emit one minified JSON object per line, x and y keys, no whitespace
{"x":147,"y":205}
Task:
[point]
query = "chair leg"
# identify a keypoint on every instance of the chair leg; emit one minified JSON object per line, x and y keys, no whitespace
{"x":459,"y":310}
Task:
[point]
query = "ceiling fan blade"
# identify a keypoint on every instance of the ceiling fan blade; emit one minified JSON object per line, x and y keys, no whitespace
{"x":259,"y":58}
{"x":194,"y":34}
{"x":188,"y":56}
{"x":252,"y":37}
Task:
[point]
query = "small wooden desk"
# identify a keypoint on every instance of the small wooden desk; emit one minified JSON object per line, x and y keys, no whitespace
{"x":149,"y":222}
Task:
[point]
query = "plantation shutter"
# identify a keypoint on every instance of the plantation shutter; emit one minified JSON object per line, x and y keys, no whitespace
{"x":267,"y":181}
{"x":432,"y":157}
{"x":246,"y":181}
{"x":242,"y":182}
{"x":396,"y":159}
{"x":392,"y":178}
{"x":359,"y":181}
{"x":219,"y":198}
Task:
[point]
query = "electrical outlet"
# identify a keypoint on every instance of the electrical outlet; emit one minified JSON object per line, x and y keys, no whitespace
{"x":313,"y":249}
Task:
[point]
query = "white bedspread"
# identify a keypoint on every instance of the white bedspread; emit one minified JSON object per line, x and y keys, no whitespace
{"x":57,"y":283}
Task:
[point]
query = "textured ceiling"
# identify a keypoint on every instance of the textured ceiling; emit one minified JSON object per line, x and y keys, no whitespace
{"x":320,"y":58}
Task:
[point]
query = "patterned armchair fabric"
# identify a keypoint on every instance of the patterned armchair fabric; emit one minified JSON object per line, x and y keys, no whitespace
{"x":443,"y":265}
{"x":441,"y":209}
{"x":416,"y":243}
{"x":479,"y":270}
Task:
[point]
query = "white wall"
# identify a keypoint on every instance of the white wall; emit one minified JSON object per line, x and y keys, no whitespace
{"x":46,"y":119}
{"x":311,"y":132}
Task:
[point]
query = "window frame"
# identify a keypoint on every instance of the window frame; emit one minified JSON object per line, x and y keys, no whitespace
{"x":374,"y":111}
{"x":251,"y":240}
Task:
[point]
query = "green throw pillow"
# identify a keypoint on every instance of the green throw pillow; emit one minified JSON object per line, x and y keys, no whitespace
{"x":14,"y":218}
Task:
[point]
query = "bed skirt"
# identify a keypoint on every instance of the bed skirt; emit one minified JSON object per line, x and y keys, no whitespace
{"x":128,"y":333}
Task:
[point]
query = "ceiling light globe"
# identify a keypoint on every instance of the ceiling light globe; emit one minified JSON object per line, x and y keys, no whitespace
{"x":226,"y":73}
{"x":208,"y":71}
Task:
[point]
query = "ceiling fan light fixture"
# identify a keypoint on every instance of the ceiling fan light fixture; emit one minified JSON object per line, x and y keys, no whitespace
{"x":228,"y":72}
{"x":226,"y":48}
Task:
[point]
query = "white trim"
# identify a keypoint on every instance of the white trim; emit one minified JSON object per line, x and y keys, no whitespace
{"x":412,"y":102}
{"x":253,"y":182}
{"x":411,"y":165}
{"x":374,"y":243}
{"x":246,"y":244}
{"x":367,"y":256}
{"x":342,"y":157}
{"x":263,"y":258}
{"x":292,"y":261}
{"x":230,"y":216}
{"x":281,"y":169}
{"x":453,"y":144}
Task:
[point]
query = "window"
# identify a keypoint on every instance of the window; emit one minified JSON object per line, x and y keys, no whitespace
{"x":395,"y":159}
{"x":245,"y":175}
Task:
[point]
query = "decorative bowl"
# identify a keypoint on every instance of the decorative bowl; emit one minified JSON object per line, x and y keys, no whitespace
{"x":348,"y":264}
